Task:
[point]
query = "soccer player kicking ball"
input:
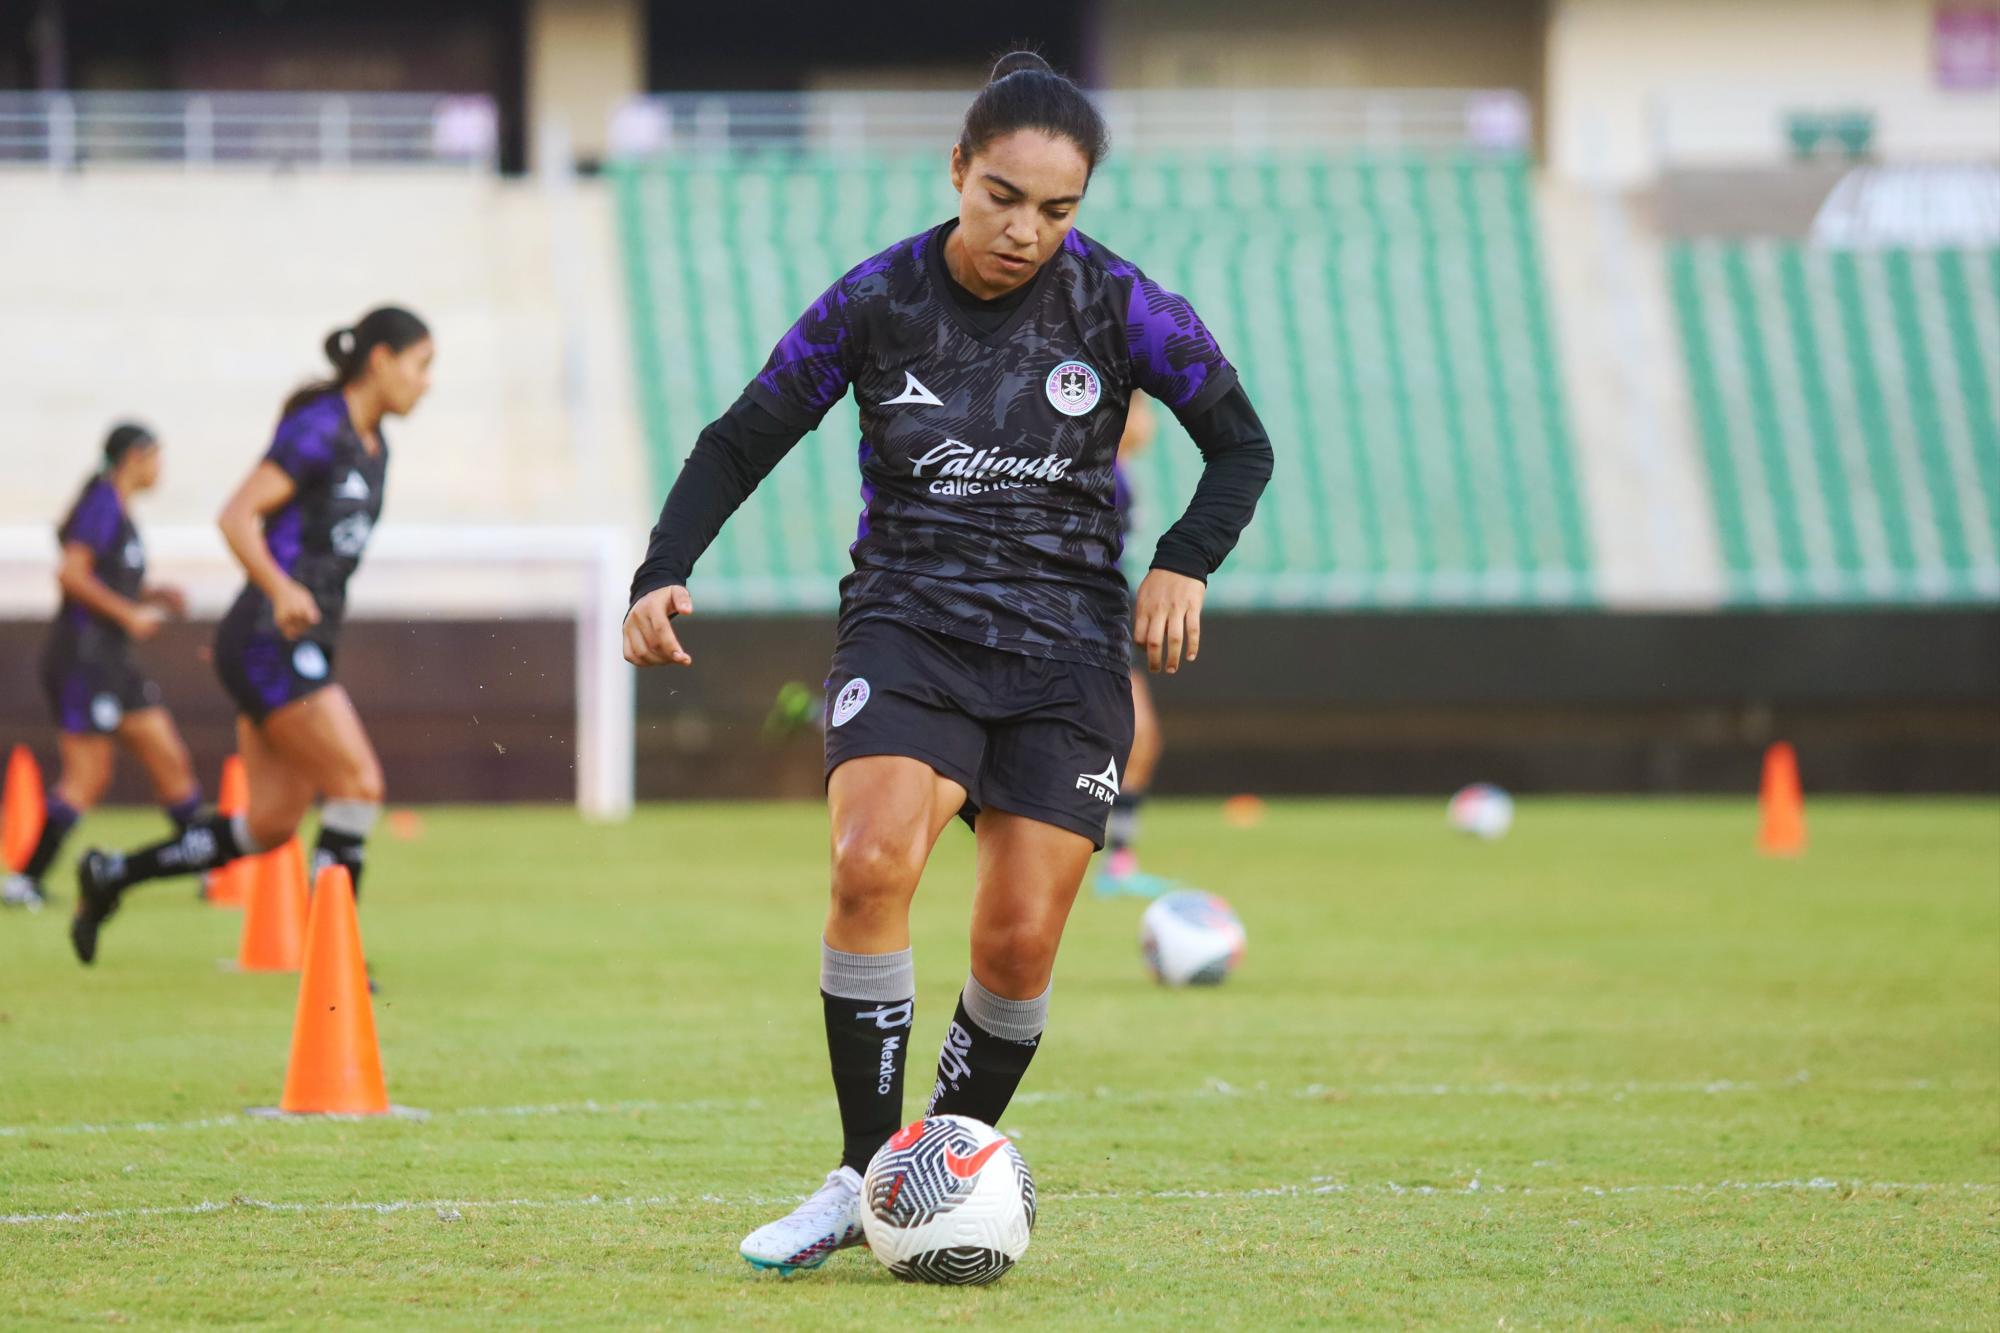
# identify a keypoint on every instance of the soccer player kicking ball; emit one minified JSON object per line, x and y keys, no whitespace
{"x":980,"y":666}
{"x":298,"y":525}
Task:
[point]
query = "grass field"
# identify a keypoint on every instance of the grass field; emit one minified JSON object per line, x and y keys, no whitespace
{"x":1614,"y":1069}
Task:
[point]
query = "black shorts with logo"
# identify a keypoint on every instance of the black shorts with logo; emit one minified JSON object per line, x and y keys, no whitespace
{"x":260,"y":668}
{"x":1028,"y":735}
{"x":91,"y":690}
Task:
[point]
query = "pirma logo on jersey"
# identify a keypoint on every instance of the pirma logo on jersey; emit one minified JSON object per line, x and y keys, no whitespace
{"x":852,"y":698}
{"x":309,"y":660}
{"x":1073,"y":388}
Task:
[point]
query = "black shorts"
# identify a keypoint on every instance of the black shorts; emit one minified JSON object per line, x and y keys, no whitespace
{"x":90,"y":693}
{"x":1027,"y":735}
{"x":261,"y":669}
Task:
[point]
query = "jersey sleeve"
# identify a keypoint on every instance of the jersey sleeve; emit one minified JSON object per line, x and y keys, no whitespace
{"x":302,"y":448}
{"x":812,"y":365}
{"x":1174,"y":356}
{"x":94,"y":522}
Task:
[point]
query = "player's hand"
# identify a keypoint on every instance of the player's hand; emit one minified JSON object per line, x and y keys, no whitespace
{"x":1167,"y":618}
{"x":143,"y":622}
{"x":294,"y":609}
{"x":169,"y":599}
{"x":649,"y":629}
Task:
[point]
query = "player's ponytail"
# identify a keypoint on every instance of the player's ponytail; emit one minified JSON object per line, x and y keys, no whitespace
{"x":1026,"y":93}
{"x":347,"y":350}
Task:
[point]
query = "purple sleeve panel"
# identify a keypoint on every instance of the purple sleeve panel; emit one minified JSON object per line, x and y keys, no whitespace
{"x":1174,"y":357}
{"x":812,"y":365}
{"x":95,"y":520}
{"x":303,"y":447}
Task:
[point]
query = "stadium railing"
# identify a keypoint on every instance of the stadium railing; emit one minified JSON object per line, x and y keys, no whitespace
{"x":65,"y":131}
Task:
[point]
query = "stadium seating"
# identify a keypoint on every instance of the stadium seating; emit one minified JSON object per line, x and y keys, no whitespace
{"x":1388,"y":313}
{"x":1846,"y":405}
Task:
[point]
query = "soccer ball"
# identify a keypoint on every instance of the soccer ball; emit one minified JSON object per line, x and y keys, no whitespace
{"x":1482,"y":810}
{"x":948,"y":1200}
{"x":1190,"y":938}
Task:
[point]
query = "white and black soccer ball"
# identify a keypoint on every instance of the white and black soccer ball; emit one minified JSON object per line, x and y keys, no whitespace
{"x":1482,"y":810}
{"x":1190,"y":938}
{"x":949,"y":1200}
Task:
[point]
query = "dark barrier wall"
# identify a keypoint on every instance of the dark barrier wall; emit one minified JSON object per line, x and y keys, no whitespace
{"x":1383,"y":703}
{"x":459,"y":710}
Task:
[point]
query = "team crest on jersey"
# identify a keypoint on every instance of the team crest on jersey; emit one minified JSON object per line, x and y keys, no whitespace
{"x":309,"y":660}
{"x":853,"y":697}
{"x":135,"y":555}
{"x":1073,"y":388}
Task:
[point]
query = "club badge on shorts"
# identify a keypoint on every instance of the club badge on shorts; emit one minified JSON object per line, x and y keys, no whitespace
{"x":852,"y":698}
{"x":309,"y":660}
{"x":1073,"y":388}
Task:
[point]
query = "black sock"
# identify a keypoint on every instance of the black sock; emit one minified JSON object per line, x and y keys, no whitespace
{"x":209,"y":841}
{"x":60,"y":818}
{"x":335,"y":848}
{"x":977,"y":1071}
{"x":1122,"y":829}
{"x":867,"y":1042}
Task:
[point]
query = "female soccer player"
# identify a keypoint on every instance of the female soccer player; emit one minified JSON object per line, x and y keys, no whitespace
{"x":981,"y":660}
{"x":95,"y":689}
{"x":298,"y":525}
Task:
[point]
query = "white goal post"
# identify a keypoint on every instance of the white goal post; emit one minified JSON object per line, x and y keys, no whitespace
{"x":427,"y":571}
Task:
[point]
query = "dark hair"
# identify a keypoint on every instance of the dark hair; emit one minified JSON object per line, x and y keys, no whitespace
{"x":125,"y":437}
{"x":1025,"y":93}
{"x":347,"y":349}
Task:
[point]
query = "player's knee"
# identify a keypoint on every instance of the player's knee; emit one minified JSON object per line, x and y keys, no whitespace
{"x":270,"y":828}
{"x":362,"y":782}
{"x":1015,"y":960}
{"x":872,"y":868}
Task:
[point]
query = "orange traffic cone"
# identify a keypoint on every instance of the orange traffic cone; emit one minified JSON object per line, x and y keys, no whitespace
{"x":336,"y":1068}
{"x":22,"y":809}
{"x":230,"y":886}
{"x":274,"y":918}
{"x":1781,"y":804}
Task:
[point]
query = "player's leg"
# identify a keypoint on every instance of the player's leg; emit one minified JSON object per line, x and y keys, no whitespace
{"x":322,"y":740}
{"x":86,"y":758}
{"x":886,"y":814}
{"x":1047,"y":783}
{"x":1029,"y":873}
{"x":150,"y":734}
{"x":280,"y":795}
{"x":1120,"y":872}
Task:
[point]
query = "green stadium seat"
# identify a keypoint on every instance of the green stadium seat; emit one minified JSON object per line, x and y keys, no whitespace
{"x":1846,"y":403}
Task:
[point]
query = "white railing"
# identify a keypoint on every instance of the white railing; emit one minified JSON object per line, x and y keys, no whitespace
{"x":198,"y":130}
{"x":843,"y":123}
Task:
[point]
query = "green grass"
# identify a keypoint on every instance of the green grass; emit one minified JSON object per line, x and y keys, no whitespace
{"x":1615,"y":1069}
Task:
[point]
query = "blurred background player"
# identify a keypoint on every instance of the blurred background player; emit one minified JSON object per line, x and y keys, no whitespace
{"x":94,"y":687}
{"x":984,"y":648}
{"x":298,"y":525}
{"x":1120,"y":873}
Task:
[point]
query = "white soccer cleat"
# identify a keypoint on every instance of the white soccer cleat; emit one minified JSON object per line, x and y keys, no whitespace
{"x":830,"y":1220}
{"x":20,"y":891}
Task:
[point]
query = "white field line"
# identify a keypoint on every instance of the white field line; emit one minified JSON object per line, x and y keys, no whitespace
{"x":1210,"y":1089}
{"x":453,"y":1210}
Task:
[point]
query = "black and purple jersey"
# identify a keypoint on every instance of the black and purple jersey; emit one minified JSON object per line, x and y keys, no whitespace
{"x":99,"y":521}
{"x":987,"y":459}
{"x":319,"y":535}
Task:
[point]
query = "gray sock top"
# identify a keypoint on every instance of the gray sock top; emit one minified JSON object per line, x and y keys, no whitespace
{"x":1009,"y":1020}
{"x":867,"y":976}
